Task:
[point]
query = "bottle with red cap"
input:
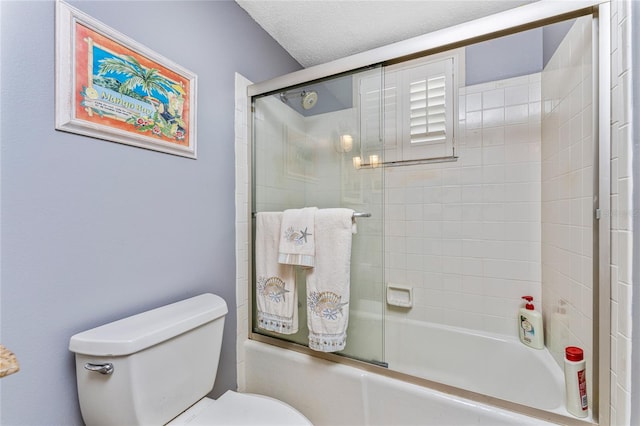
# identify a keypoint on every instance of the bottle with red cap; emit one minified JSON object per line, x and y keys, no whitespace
{"x":530,"y":327}
{"x":575,"y":378}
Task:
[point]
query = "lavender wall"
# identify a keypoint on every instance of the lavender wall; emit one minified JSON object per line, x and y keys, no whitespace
{"x":487,"y":61}
{"x":93,"y":231}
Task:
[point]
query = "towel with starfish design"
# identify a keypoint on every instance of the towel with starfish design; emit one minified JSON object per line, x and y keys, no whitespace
{"x":297,"y":243}
{"x":276,"y":291}
{"x":328,"y":283}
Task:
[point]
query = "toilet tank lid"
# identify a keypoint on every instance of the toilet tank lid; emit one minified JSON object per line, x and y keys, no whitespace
{"x":138,"y":332}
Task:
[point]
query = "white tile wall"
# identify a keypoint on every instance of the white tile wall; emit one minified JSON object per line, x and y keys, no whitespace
{"x":466,"y":235}
{"x":567,"y":194}
{"x":279,"y":184}
{"x":242,"y":224}
{"x":622,"y":208}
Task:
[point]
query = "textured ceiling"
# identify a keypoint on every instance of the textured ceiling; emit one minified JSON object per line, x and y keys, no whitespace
{"x":319,"y":31}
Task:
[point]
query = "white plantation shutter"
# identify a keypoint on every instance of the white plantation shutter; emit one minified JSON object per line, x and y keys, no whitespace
{"x":392,"y":113}
{"x":370,"y":110}
{"x":427,"y":110}
{"x":416,"y":108}
{"x":379,"y":137}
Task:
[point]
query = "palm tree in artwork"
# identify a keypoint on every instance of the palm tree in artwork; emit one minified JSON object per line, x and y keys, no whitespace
{"x":148,"y":79}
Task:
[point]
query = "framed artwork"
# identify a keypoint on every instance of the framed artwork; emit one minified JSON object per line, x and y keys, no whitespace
{"x":113,"y":88}
{"x":300,"y":155}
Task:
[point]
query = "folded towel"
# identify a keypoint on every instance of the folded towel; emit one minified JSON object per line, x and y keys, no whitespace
{"x":297,"y":245}
{"x":276,"y":292}
{"x":328,"y":282}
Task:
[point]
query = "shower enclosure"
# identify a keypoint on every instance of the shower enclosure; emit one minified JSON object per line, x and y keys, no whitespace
{"x":474,"y":175}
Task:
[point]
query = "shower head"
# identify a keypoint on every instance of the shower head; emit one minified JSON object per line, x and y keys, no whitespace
{"x":308,"y":99}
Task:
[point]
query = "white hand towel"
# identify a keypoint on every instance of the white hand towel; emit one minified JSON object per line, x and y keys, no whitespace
{"x":276,"y":292}
{"x":328,"y":282}
{"x":297,"y":245}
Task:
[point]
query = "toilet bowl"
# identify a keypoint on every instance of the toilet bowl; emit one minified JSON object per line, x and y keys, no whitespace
{"x":235,"y":408}
{"x":157,"y":367}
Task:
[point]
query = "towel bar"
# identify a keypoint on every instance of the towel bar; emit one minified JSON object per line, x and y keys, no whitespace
{"x":355,"y":214}
{"x":361,"y":214}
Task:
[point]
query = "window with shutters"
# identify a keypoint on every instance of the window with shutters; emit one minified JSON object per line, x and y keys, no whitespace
{"x":417,"y":108}
{"x":426,"y":99}
{"x":427,"y":114}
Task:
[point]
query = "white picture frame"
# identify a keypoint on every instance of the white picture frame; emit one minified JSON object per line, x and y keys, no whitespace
{"x":113,"y":88}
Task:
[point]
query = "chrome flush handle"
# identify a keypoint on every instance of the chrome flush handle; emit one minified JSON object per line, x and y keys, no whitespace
{"x":106,"y":368}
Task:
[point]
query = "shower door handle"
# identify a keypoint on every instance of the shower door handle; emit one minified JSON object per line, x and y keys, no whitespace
{"x":106,"y":368}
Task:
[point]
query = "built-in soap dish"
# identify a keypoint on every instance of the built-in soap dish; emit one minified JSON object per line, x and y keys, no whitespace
{"x":399,"y":295}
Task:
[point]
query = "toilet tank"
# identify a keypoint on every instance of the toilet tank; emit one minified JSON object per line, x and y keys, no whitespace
{"x":164,"y":360}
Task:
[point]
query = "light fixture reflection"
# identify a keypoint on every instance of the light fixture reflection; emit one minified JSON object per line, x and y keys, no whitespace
{"x":357,"y":162}
{"x":374,"y":162}
{"x":346,"y":143}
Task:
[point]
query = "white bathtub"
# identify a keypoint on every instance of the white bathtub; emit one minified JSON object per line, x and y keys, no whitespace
{"x":334,"y":394}
{"x":490,"y":364}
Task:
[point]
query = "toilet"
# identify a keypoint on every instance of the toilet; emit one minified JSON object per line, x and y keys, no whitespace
{"x":157,"y":367}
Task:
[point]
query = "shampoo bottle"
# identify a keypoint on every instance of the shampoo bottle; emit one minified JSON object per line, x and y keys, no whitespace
{"x":530,"y":325}
{"x":575,"y":377}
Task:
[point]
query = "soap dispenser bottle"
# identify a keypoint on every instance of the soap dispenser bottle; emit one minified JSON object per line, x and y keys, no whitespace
{"x":530,"y":325}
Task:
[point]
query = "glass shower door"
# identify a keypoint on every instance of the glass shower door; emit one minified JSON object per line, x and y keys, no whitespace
{"x":318,"y":146}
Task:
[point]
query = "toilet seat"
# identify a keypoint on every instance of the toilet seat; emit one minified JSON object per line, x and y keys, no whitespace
{"x":235,"y":408}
